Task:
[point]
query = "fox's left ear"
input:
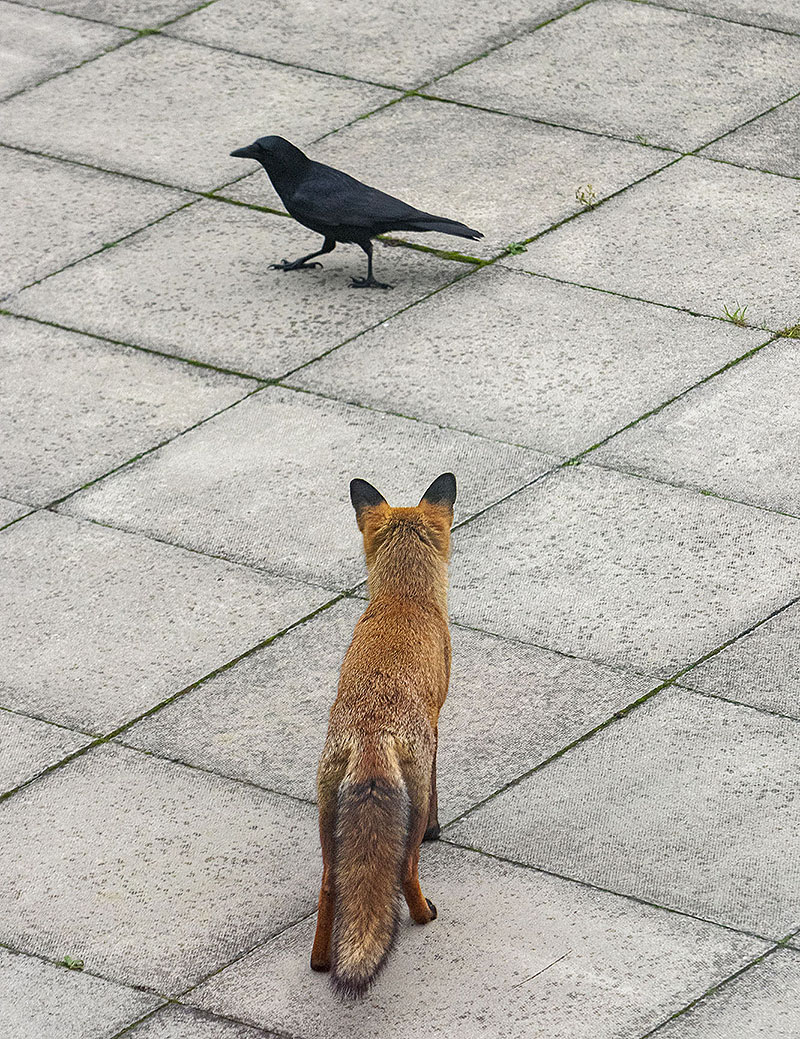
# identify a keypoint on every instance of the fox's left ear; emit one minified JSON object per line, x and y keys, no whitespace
{"x":364,"y":496}
{"x":441,"y":492}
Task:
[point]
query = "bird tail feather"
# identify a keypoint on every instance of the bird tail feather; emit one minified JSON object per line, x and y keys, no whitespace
{"x":428,"y":222}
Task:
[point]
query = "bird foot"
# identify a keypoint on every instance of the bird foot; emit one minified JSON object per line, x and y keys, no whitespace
{"x":369,"y":283}
{"x":293,"y":265}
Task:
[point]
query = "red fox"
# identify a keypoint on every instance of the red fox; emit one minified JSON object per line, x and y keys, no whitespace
{"x":377,"y":774}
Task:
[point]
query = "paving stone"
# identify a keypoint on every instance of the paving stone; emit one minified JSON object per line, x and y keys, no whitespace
{"x":37,"y":44}
{"x":11,"y":510}
{"x":770,"y":143}
{"x":774,"y":14}
{"x":688,"y":802}
{"x":198,"y":285}
{"x":163,"y":875}
{"x":546,"y":700}
{"x":622,"y":570}
{"x":350,"y":39}
{"x":99,"y":625}
{"x":764,"y":1001}
{"x":29,"y":745}
{"x":542,"y":166}
{"x":761,"y":669}
{"x":72,"y":407}
{"x":178,"y":1022}
{"x":676,"y":79}
{"x":139,"y":14}
{"x":41,"y":234}
{"x":266,"y":483}
{"x":193,"y":105}
{"x":700,"y":235}
{"x":41,"y":1001}
{"x":735,"y":435}
{"x":613,"y":968}
{"x":528,"y":360}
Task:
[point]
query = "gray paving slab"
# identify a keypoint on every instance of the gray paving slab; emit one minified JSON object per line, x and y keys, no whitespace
{"x":612,"y":966}
{"x":11,"y":510}
{"x":100,"y":625}
{"x":769,"y":143}
{"x":764,"y":1001}
{"x":762,"y":669}
{"x":265,"y":720}
{"x":677,"y":79}
{"x":73,"y":407}
{"x":198,"y":285}
{"x":163,"y":875}
{"x":552,"y":366}
{"x":736,"y":435}
{"x":622,"y":570}
{"x":700,"y":235}
{"x":38,"y":44}
{"x":405,"y":45}
{"x":774,"y":14}
{"x":688,"y":802}
{"x":540,"y":167}
{"x":178,"y":1022}
{"x":193,"y":105}
{"x":266,"y":483}
{"x":42,"y":1001}
{"x":139,"y":14}
{"x":41,"y":233}
{"x":27,"y":746}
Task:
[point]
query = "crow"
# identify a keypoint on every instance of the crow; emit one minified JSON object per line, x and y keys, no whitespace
{"x":338,"y":206}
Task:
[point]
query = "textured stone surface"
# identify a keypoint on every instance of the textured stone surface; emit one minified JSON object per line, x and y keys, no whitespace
{"x":139,"y":14}
{"x":737,"y":435}
{"x":164,"y":874}
{"x":770,"y":143}
{"x":193,"y":106}
{"x":29,"y":745}
{"x":623,"y":570}
{"x":528,"y":360}
{"x":629,"y":69}
{"x":41,"y":234}
{"x":11,"y":510}
{"x":265,"y":719}
{"x":762,"y":669}
{"x":73,"y":407}
{"x":542,"y":166}
{"x":178,"y":1022}
{"x":198,"y":285}
{"x":765,"y":1001}
{"x":632,"y":965}
{"x":688,"y":802}
{"x":774,"y":14}
{"x":663,"y":240}
{"x":41,"y":1001}
{"x":272,"y":475}
{"x":349,"y":39}
{"x":100,"y":625}
{"x":37,"y":45}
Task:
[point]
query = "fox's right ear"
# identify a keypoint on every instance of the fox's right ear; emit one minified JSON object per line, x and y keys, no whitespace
{"x":364,"y":496}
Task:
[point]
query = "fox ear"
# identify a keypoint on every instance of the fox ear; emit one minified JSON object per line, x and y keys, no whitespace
{"x":441,"y":492}
{"x":364,"y":496}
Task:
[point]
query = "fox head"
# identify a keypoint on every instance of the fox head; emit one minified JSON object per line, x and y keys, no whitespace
{"x":407,"y":547}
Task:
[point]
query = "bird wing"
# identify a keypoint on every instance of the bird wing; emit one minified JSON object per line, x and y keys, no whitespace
{"x":331,"y":198}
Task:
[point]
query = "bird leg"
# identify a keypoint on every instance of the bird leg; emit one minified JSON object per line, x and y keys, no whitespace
{"x":302,"y":264}
{"x":369,"y":282}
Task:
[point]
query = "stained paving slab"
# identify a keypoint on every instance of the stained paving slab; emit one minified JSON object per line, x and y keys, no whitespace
{"x":625,"y":576}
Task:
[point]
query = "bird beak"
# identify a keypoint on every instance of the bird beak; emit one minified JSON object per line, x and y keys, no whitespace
{"x":245,"y":153}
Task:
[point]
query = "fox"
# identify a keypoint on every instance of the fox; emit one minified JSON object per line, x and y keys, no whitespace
{"x":376,"y":780}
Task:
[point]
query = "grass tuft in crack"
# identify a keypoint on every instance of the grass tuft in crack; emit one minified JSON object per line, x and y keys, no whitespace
{"x":587,"y":196}
{"x":735,"y":315}
{"x":515,"y":248}
{"x":790,"y":331}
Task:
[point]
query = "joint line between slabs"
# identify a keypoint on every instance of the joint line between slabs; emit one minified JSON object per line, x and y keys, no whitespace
{"x":714,"y":17}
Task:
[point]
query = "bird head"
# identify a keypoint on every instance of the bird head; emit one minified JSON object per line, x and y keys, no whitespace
{"x":274,"y":153}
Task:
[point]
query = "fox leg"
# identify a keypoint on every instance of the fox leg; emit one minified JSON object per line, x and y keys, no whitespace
{"x":432,"y":829}
{"x":321,"y":952}
{"x":422,"y":910}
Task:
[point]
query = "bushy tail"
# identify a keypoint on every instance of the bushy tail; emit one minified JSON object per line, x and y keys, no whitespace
{"x":429,"y":222}
{"x":371,"y":837}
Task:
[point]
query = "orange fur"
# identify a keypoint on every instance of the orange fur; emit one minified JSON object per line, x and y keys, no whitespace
{"x":377,"y":775}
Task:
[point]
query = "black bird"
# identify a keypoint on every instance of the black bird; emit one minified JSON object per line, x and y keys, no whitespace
{"x":338,"y":206}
